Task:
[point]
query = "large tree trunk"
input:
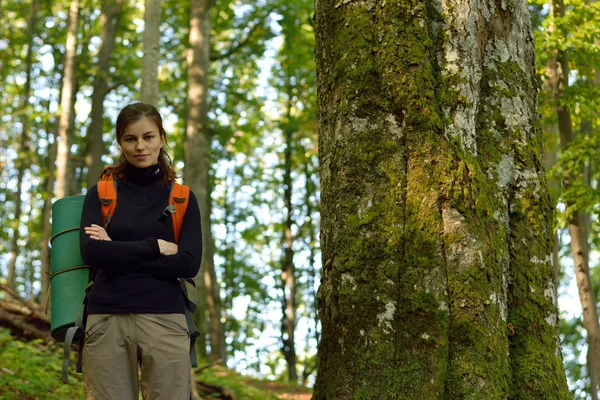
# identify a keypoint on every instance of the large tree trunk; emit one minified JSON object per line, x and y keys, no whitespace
{"x":288,"y":270}
{"x":152,"y":14}
{"x":197,"y":165}
{"x":109,"y":20}
{"x":23,"y":149}
{"x":436,"y":220}
{"x":67,"y":105}
{"x":576,"y":221}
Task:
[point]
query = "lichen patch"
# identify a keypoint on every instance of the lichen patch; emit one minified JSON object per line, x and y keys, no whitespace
{"x":384,"y":319}
{"x":348,"y":279}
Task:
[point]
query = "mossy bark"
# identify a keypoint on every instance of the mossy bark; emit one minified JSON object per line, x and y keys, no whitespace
{"x":436,"y":220}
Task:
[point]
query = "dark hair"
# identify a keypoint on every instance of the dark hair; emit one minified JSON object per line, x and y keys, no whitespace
{"x":132,"y":113}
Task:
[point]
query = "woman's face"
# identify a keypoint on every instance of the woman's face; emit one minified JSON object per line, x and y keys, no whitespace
{"x":141,"y":143}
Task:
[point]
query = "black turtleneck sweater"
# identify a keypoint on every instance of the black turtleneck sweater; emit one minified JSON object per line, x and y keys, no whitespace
{"x":132,"y":276}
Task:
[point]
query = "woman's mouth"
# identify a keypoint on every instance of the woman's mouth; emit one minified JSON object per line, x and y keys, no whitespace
{"x":141,"y":156}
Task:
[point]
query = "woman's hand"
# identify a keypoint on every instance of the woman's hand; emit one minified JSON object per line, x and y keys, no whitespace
{"x":96,"y":232}
{"x":167,"y":248}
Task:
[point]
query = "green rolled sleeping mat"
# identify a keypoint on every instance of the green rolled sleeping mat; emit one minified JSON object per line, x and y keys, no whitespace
{"x":69,"y":275}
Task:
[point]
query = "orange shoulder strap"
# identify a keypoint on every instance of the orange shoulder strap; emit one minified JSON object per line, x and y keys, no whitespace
{"x":107,"y":194}
{"x":179,"y":197}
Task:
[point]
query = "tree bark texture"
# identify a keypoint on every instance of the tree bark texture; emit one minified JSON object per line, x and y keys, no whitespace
{"x":67,"y":105}
{"x":95,"y":146}
{"x":197,"y":165}
{"x":436,"y":226}
{"x":151,"y":40}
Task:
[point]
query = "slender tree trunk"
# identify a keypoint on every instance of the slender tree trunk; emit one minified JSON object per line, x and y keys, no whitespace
{"x":9,"y":51}
{"x":436,"y":223}
{"x":288,"y":273}
{"x":592,"y":374}
{"x":67,"y":105}
{"x":109,"y":20}
{"x":552,"y":145}
{"x":576,"y":226}
{"x":591,"y":362}
{"x":23,"y":148}
{"x":197,"y":164}
{"x":201,"y":318}
{"x":47,"y":227}
{"x":230,"y":235}
{"x":14,"y":247}
{"x":151,"y":39}
{"x":30,"y":269}
{"x":312,"y":271}
{"x":550,"y":159}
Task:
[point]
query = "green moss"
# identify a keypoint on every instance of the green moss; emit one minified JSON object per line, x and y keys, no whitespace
{"x":32,"y":371}
{"x":356,"y":221}
{"x":383,"y":223}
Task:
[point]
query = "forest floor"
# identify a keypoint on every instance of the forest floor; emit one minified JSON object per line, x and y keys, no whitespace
{"x":30,"y":370}
{"x":246,"y":387}
{"x":283,"y":391}
{"x":32,"y":360}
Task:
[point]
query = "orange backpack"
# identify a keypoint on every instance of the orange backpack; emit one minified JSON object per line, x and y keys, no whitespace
{"x":178,"y":201}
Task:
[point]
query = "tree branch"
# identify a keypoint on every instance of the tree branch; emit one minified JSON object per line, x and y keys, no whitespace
{"x":212,"y":364}
{"x":22,"y":322}
{"x":208,"y":389}
{"x":235,"y":48}
{"x":34,"y":308}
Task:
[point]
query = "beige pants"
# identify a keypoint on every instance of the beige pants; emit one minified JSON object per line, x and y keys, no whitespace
{"x":114,"y":346}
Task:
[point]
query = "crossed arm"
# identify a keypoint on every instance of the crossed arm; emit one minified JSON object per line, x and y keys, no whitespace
{"x":96,"y":232}
{"x":153,"y":256}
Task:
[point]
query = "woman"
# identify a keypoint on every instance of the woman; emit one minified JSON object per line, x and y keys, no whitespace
{"x":136,"y":306}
